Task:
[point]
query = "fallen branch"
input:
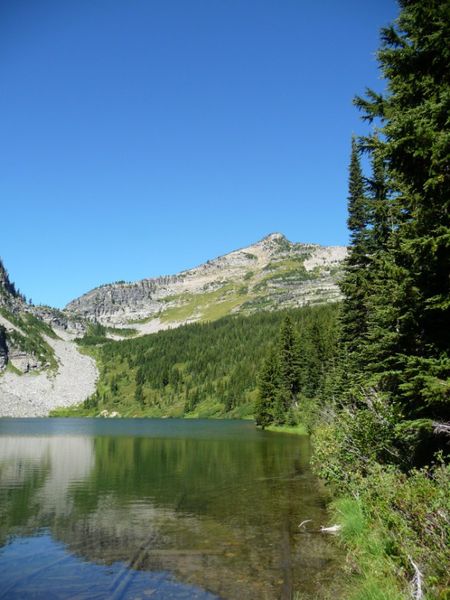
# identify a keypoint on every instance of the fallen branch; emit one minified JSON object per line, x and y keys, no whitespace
{"x":441,"y":428}
{"x":416,"y":583}
{"x":304,"y":523}
{"x":333,"y":529}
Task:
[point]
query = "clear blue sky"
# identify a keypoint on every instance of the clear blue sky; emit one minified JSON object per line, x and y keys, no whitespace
{"x":143,"y":137}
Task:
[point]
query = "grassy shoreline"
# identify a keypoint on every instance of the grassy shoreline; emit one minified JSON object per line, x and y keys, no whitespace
{"x":299,"y":429}
{"x":394,"y":525}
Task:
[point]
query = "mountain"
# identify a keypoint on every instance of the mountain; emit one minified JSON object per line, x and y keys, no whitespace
{"x":22,"y":345}
{"x":274,"y":273}
{"x":40,"y":366}
{"x":25,"y":329}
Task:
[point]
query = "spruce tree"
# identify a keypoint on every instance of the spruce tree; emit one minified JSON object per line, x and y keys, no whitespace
{"x":289,"y":360}
{"x":354,"y":284}
{"x":357,"y":204}
{"x":379,"y":204}
{"x":409,"y":320}
{"x":267,"y":399}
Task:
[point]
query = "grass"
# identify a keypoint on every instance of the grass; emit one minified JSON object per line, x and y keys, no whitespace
{"x":122,"y":331}
{"x":11,"y":369}
{"x":141,"y":321}
{"x":221,"y":309}
{"x":208,"y":306}
{"x":373,"y":573}
{"x":299,"y":429}
{"x":212,"y":305}
{"x":71,"y":411}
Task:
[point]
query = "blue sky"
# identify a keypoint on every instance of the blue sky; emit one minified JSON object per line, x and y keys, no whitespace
{"x":143,"y":137}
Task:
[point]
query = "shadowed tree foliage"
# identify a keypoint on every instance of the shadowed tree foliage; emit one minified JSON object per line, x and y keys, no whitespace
{"x":409,"y":345}
{"x":296,"y":367}
{"x":394,"y":343}
{"x":354,"y":284}
{"x":266,"y":403}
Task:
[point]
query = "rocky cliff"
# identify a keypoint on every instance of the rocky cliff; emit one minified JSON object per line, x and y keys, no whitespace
{"x":40,"y":366}
{"x":273,"y":273}
{"x":24,"y":328}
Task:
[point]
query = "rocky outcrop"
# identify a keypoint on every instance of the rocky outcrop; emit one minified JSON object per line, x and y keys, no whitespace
{"x":10,"y":297}
{"x":59,"y":320}
{"x":20,"y":350}
{"x":36,"y":394}
{"x":23,"y":361}
{"x":12,"y":301}
{"x":273,"y":273}
{"x":47,"y":370}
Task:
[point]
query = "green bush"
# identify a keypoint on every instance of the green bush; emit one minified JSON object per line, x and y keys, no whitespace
{"x":391,"y":519}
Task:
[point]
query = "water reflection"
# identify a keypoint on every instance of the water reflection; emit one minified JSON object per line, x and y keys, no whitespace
{"x":216,"y":506}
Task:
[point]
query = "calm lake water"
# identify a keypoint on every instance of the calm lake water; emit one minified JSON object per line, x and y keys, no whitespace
{"x":148,"y":508}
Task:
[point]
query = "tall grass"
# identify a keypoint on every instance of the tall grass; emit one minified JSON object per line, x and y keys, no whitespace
{"x":372,"y":573}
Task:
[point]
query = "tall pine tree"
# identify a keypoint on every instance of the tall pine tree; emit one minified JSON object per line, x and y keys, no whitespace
{"x":268,"y":390}
{"x":289,"y":360}
{"x":408,"y":340}
{"x":354,"y":284}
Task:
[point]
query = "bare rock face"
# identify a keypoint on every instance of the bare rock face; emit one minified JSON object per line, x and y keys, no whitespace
{"x":59,"y":320}
{"x":23,"y":361}
{"x":46,"y":370}
{"x":271,"y":274}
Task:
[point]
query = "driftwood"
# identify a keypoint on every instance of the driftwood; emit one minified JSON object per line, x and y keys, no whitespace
{"x":303,"y":523}
{"x":416,"y":583}
{"x":333,"y":529}
{"x":441,"y":428}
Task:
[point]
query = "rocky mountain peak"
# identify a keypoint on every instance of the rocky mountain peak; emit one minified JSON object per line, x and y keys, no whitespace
{"x":274,"y":237}
{"x":271,"y":274}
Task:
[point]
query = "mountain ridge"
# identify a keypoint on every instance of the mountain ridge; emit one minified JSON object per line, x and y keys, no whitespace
{"x":270,"y":274}
{"x":41,"y":366}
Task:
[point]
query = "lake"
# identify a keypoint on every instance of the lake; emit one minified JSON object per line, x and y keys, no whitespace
{"x":159,"y":508}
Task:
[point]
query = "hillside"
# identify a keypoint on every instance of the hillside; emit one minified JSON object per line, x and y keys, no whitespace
{"x":205,"y":369}
{"x":40,"y":365}
{"x":272,"y":274}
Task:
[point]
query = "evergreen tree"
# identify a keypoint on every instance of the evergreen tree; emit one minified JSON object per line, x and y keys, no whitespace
{"x":381,"y":210}
{"x":293,"y":368}
{"x":354,"y":283}
{"x":139,"y":396}
{"x":408,"y":345}
{"x":358,"y":213}
{"x":268,"y":396}
{"x":282,"y":405}
{"x":289,"y":361}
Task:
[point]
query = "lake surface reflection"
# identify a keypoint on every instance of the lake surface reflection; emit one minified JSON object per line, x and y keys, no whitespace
{"x":158,"y":509}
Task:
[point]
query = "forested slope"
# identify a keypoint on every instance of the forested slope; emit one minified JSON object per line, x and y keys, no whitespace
{"x":206,"y":369}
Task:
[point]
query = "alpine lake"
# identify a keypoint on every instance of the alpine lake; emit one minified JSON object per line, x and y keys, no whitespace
{"x":160,"y":509}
